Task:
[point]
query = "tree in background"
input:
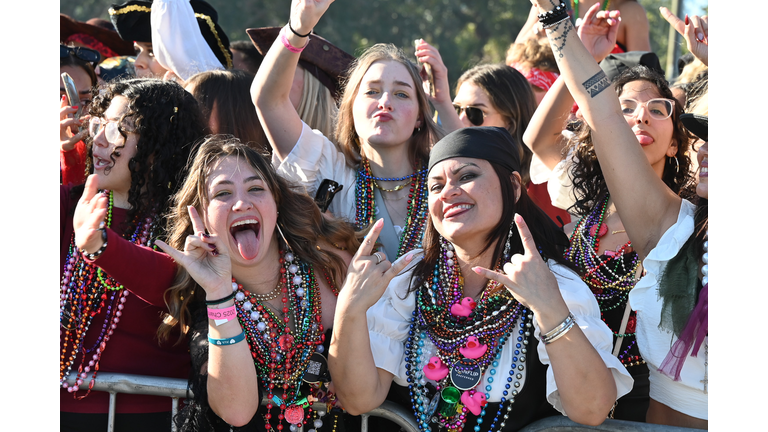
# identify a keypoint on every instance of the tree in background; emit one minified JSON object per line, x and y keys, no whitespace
{"x":465,"y":32}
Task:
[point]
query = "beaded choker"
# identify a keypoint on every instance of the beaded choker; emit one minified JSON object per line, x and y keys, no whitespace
{"x":283,"y":358}
{"x":416,"y":215}
{"x":469,"y":338}
{"x":610,"y":276}
{"x":86,"y":291}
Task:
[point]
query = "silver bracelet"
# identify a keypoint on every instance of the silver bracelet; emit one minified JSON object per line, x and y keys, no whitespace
{"x":560,"y":330}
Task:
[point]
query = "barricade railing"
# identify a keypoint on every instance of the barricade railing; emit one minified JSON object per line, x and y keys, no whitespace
{"x":176,"y":388}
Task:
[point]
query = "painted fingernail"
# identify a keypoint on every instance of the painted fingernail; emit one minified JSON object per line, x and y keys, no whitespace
{"x":204,"y":235}
{"x":686,"y":20}
{"x":63,"y":97}
{"x":700,"y":36}
{"x":212,"y":247}
{"x":215,"y":252}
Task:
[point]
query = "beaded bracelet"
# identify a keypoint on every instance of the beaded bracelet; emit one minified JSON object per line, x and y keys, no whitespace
{"x":221,"y":316}
{"x":548,"y":26}
{"x":560,"y":330}
{"x":221,"y":300}
{"x":93,"y":256}
{"x":287,"y":43}
{"x":553,"y":16}
{"x":227,"y":341}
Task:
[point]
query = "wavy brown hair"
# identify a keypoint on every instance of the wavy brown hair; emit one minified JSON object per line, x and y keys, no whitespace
{"x":346,"y":135}
{"x":298,"y":216}
{"x":589,"y":185}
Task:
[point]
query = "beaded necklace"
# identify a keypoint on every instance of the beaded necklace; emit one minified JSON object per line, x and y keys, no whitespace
{"x":610,"y":277}
{"x":281,"y":355}
{"x":86,"y":290}
{"x":416,"y":215}
{"x":492,"y":322}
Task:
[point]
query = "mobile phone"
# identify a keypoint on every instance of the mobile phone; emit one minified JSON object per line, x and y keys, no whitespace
{"x":72,"y":96}
{"x":325,"y":193}
{"x":430,"y":75}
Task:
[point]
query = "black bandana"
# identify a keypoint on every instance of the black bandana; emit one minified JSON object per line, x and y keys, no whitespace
{"x":493,"y":144}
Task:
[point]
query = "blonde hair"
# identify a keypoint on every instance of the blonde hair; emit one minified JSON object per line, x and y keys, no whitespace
{"x":691,"y":71}
{"x":533,"y":53}
{"x":346,"y":136}
{"x":317,"y":108}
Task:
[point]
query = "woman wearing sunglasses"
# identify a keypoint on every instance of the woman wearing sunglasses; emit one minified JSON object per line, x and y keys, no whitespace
{"x":384,"y":129}
{"x":79,"y":63}
{"x":112,"y":283}
{"x":641,"y":148}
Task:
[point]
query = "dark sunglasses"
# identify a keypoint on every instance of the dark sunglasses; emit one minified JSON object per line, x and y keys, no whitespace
{"x":85,"y":54}
{"x":475,"y":115}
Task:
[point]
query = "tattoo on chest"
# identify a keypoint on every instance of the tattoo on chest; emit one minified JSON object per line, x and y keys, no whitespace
{"x":596,"y":84}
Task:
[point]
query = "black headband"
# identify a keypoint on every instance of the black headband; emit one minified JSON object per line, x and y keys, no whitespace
{"x":493,"y":144}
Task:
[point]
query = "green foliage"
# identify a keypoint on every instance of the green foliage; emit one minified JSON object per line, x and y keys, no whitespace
{"x":466,"y":32}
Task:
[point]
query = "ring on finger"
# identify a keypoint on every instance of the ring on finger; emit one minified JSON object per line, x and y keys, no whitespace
{"x":379,"y":258}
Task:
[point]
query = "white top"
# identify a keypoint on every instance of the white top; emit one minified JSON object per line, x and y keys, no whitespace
{"x":315,"y":158}
{"x":686,"y":395}
{"x":559,"y":185}
{"x":389,"y":321}
{"x":177,"y":42}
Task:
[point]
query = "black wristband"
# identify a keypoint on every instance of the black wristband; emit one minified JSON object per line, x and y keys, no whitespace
{"x":221,"y":300}
{"x":297,"y":34}
{"x":555,"y":15}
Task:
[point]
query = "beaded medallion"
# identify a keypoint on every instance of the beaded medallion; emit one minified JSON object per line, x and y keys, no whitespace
{"x":86,"y":291}
{"x":466,"y":347}
{"x":610,"y":277}
{"x":281,"y":355}
{"x":416,"y":215}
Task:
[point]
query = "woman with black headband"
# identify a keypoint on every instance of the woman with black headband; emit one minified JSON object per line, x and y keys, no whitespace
{"x":488,"y":327}
{"x":668,"y":233}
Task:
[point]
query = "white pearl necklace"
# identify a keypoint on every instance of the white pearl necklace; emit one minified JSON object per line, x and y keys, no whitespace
{"x":705,"y":261}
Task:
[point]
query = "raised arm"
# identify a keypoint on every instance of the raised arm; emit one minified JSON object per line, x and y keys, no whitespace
{"x":646,"y":205}
{"x":543,"y":134}
{"x":440,"y":96}
{"x":635,"y":27}
{"x":530,"y":28}
{"x":272,"y":86}
{"x":359,"y":384}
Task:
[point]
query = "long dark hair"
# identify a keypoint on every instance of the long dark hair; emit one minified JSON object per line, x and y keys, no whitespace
{"x":298,"y":216}
{"x":589,"y":185}
{"x":550,"y":239}
{"x":168,"y":121}
{"x":512,"y":96}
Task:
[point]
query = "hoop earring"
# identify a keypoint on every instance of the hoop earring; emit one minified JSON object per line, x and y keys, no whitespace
{"x":677,"y":164}
{"x":288,"y":245}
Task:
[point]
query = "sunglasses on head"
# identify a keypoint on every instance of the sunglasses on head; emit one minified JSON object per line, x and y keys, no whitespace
{"x":85,"y":54}
{"x":475,"y":115}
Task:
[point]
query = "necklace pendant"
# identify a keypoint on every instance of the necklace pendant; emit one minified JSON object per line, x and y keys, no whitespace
{"x":466,"y":374}
{"x":600,"y":231}
{"x":285,"y":342}
{"x":294,"y":414}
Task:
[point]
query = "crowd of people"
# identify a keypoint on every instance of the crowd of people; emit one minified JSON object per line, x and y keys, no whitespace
{"x":303,"y":234}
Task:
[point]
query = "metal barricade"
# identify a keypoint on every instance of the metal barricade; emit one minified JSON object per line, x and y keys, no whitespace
{"x":176,"y":388}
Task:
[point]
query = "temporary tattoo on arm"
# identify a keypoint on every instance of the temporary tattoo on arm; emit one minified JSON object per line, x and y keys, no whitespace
{"x":596,"y":84}
{"x":565,"y":27}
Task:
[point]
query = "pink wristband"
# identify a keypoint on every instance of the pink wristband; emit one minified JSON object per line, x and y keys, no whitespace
{"x":287,"y":43}
{"x":221,"y":316}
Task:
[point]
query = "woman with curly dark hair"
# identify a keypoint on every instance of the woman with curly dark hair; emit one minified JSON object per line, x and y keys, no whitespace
{"x":113,"y":280}
{"x":256,"y":293}
{"x":600,"y":247}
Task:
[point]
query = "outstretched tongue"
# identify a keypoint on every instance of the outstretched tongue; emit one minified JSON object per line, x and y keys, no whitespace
{"x":247,"y":243}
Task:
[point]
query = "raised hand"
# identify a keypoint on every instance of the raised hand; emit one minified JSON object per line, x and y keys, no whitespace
{"x":89,"y":216}
{"x":527,"y":276}
{"x":599,"y":30}
{"x":369,"y":273}
{"x":69,"y":126}
{"x":305,"y":14}
{"x":205,"y":259}
{"x":429,"y":55}
{"x":695,"y":30}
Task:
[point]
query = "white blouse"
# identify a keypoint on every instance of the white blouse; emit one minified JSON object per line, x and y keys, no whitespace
{"x":390,"y":318}
{"x":687,"y":395}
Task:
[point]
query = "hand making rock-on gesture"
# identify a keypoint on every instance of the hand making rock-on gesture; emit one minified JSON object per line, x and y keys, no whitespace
{"x":695,"y":30}
{"x":529,"y":278}
{"x":369,"y":272}
{"x":205,"y":259}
